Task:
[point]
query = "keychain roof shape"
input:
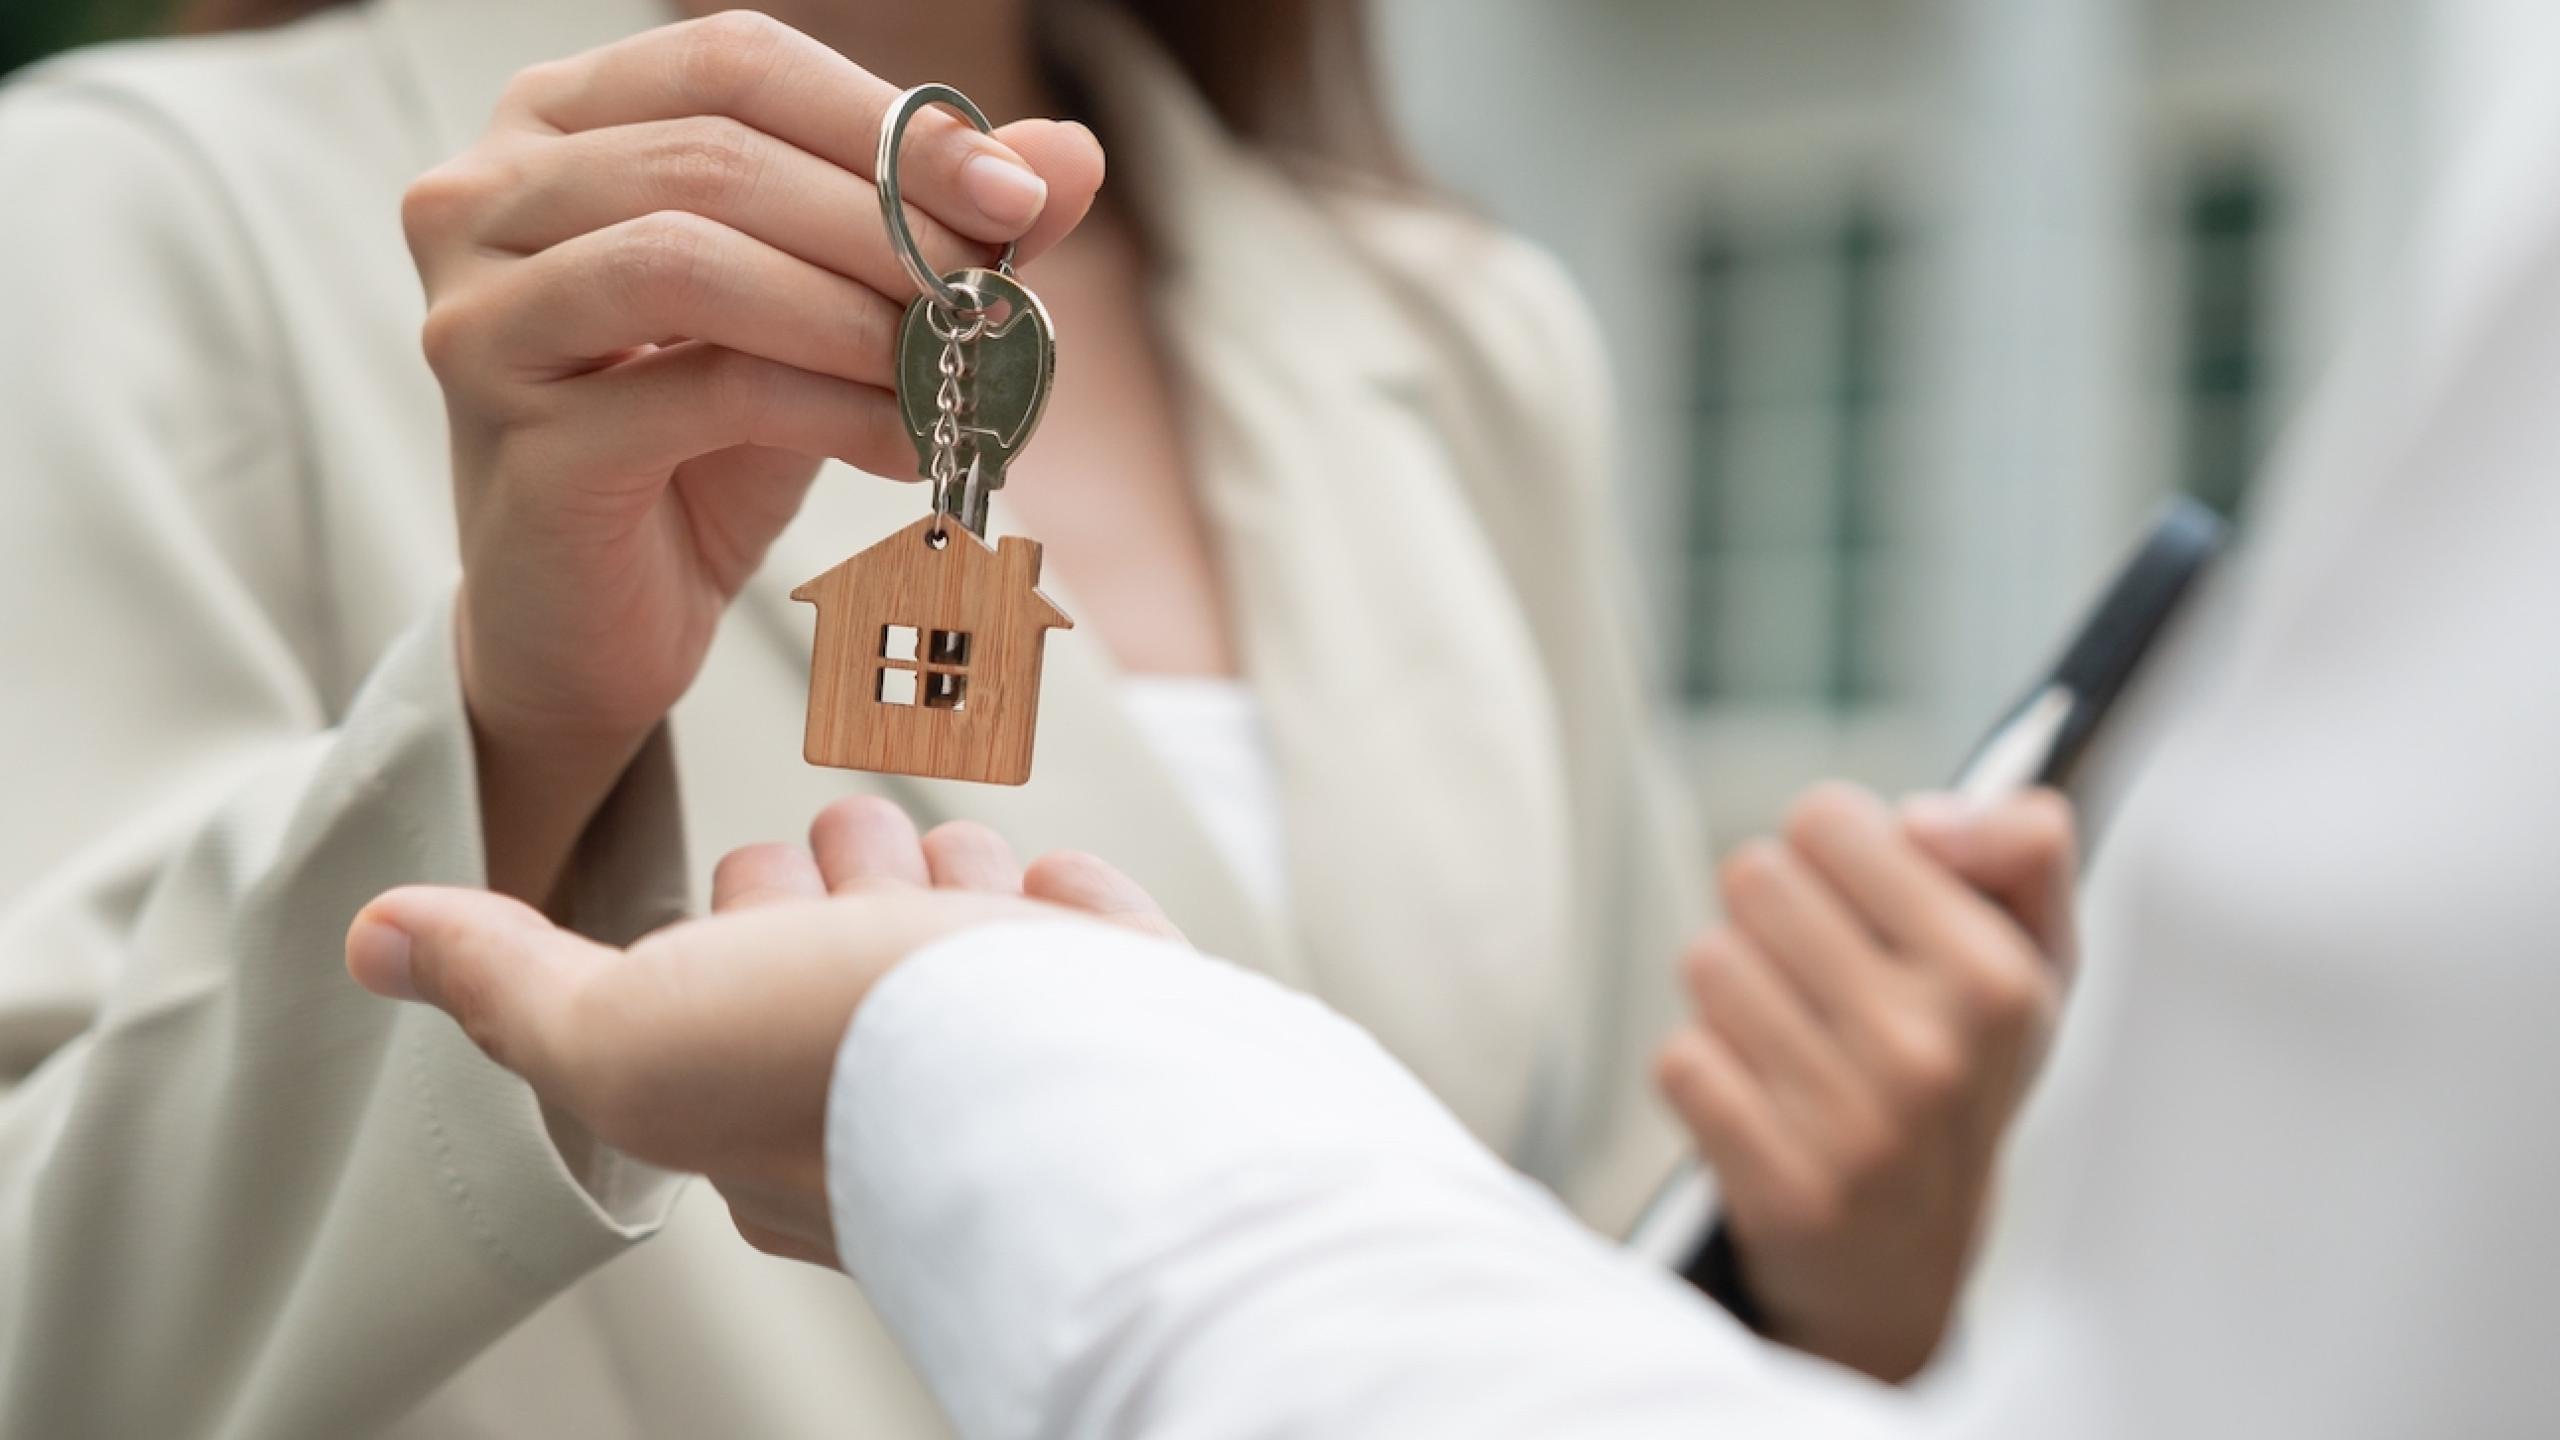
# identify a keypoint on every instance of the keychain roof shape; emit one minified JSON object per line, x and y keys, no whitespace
{"x":928,"y":652}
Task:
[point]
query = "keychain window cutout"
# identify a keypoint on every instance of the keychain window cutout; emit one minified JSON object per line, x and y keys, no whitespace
{"x":937,"y":680}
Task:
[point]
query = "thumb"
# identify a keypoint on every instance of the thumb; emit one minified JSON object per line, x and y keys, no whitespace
{"x":492,"y":963}
{"x":2020,"y":850}
{"x":1066,"y":155}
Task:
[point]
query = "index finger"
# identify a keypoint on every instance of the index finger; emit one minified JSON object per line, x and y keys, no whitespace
{"x":762,"y":73}
{"x":1911,"y":902}
{"x":2021,"y":851}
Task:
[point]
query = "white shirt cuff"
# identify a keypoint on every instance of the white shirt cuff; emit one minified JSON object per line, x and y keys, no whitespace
{"x":1101,"y":1185}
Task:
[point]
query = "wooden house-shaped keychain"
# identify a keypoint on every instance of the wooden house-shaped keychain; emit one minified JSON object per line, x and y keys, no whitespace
{"x":927,"y":657}
{"x":928,"y":653}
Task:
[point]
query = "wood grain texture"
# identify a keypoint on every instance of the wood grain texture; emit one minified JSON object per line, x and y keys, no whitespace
{"x":975,"y":702}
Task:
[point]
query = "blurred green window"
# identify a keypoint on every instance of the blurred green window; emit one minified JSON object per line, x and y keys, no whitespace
{"x":2226,"y":234}
{"x":1788,"y":572}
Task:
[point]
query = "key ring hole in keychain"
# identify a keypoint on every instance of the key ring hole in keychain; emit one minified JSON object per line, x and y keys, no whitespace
{"x":893,"y":210}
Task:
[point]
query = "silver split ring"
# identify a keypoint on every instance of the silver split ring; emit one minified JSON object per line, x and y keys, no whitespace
{"x":893,"y":210}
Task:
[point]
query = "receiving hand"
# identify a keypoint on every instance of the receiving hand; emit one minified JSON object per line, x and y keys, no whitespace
{"x":708,"y":1047}
{"x":1869,"y":1018}
{"x":657,"y":289}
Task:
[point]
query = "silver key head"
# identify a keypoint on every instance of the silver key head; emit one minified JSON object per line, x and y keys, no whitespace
{"x":1011,"y":366}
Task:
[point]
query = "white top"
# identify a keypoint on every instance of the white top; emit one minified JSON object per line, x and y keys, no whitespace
{"x":1210,"y":733}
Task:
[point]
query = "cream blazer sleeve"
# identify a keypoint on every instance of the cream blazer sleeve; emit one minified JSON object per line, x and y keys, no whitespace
{"x":237,"y":1196}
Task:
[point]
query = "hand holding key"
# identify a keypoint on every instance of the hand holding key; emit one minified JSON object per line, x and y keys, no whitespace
{"x":657,"y":288}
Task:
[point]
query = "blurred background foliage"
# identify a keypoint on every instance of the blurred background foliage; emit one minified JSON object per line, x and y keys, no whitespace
{"x":33,"y":29}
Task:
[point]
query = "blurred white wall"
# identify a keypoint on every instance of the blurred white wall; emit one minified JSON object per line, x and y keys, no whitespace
{"x":2490,"y":56}
{"x":2039,"y":159}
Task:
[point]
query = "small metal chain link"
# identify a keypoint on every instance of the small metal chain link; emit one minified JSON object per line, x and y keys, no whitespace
{"x":959,"y":331}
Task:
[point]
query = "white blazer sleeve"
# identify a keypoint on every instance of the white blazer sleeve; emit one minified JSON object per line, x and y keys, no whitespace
{"x":237,"y":1195}
{"x":1099,"y":1186}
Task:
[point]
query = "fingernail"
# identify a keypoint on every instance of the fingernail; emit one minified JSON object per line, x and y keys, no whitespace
{"x":378,"y":956}
{"x":1005,"y":191}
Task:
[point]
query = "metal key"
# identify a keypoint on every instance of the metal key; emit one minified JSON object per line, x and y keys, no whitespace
{"x":971,"y":386}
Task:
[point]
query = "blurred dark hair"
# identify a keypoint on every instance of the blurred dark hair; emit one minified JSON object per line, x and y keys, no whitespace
{"x":1294,"y":77}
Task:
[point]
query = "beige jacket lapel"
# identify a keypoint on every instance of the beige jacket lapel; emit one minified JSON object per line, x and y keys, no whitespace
{"x":1424,"y":801}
